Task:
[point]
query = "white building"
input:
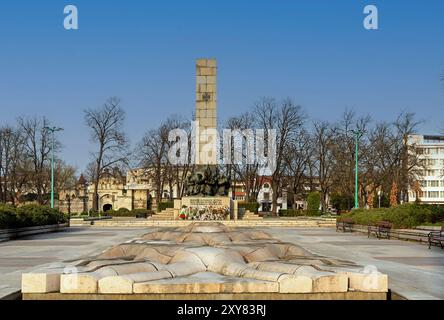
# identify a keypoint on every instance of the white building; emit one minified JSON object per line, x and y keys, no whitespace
{"x":430,"y":150}
{"x":264,"y":196}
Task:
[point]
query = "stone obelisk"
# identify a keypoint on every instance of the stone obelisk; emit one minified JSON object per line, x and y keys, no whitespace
{"x":206,"y":128}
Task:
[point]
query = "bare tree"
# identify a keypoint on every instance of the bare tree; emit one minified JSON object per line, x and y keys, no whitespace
{"x":11,"y":157}
{"x":243,"y":171}
{"x":37,"y":148}
{"x":390,"y":159}
{"x":323,"y":140}
{"x":65,"y":176}
{"x":287,"y":119}
{"x":106,"y":126}
{"x":345,"y":153}
{"x":152,"y":152}
{"x":297,"y":160}
{"x":405,"y":125}
{"x":175,"y":175}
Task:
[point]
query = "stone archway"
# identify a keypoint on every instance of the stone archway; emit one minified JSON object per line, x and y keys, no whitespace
{"x":107,"y":207}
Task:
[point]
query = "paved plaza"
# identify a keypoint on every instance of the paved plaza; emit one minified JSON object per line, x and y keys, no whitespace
{"x":414,"y":271}
{"x":19,"y":256}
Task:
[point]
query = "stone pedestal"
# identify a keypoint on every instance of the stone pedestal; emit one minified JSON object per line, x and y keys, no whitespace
{"x":196,"y":201}
{"x":235,"y":209}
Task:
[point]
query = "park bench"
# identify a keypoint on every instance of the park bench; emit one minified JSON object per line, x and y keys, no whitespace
{"x":381,"y":229}
{"x":436,"y":238}
{"x":345,"y":225}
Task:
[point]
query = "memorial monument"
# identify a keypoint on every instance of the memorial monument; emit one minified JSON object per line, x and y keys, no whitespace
{"x":205,"y":260}
{"x":206,"y":188}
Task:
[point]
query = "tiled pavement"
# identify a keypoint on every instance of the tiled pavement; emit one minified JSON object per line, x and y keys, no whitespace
{"x":22,"y":255}
{"x":414,"y":271}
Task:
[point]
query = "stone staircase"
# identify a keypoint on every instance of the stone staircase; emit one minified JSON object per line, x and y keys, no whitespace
{"x":167,"y":214}
{"x":248,"y":215}
{"x":169,"y":222}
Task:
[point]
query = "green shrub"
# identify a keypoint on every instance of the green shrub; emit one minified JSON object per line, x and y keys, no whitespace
{"x":250,"y":206}
{"x":37,"y":215}
{"x":29,"y":216}
{"x":113,"y":213}
{"x":164,"y":205}
{"x":313,"y":203}
{"x":403,"y":216}
{"x":93,"y":213}
{"x":128,"y":213}
{"x":291,"y":213}
{"x":8,"y":218}
{"x":364,"y":217}
{"x":436,"y":212}
{"x":123,"y":210}
{"x":141,"y":212}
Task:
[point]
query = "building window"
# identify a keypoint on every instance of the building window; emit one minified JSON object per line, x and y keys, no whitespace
{"x":431,"y":162}
{"x":433,"y":183}
{"x":442,"y":194}
{"x":431,"y":173}
{"x":433,"y":194}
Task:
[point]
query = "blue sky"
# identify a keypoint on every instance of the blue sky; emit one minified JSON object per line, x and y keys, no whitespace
{"x":316,"y":52}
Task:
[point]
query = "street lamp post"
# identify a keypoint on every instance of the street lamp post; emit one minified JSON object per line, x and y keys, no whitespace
{"x":52,"y":130}
{"x":358,"y":134}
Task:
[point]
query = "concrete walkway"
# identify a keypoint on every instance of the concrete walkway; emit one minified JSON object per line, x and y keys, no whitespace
{"x":414,"y":271}
{"x":19,"y":256}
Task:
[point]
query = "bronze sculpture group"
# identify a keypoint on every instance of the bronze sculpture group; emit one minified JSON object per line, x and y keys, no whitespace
{"x":207,"y":181}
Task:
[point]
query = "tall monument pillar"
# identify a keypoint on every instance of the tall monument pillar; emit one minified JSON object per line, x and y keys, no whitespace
{"x":206,"y":116}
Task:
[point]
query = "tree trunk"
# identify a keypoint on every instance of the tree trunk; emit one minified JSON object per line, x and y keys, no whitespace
{"x":96,"y":196}
{"x":324,"y":201}
{"x":274,"y":199}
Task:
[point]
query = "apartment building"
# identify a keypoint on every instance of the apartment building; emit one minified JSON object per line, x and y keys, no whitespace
{"x":430,"y":150}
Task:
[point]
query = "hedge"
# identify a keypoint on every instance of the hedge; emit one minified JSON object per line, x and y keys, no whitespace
{"x":250,"y":206}
{"x":292,"y":213}
{"x":123,"y":212}
{"x":402,"y":216}
{"x":29,"y":216}
{"x":164,"y":205}
{"x":437,"y":212}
